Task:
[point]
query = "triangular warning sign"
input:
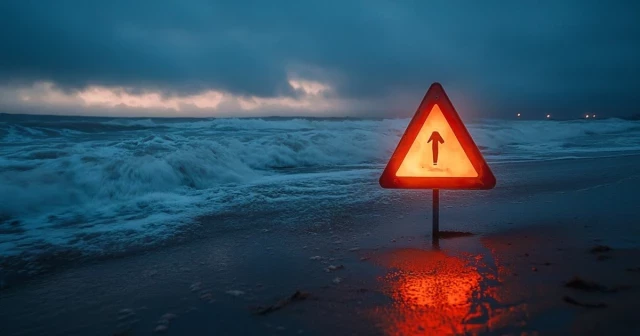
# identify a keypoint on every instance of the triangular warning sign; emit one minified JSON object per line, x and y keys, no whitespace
{"x":436,"y":151}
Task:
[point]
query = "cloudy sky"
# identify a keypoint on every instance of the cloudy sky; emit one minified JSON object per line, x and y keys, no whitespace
{"x":318,"y":58}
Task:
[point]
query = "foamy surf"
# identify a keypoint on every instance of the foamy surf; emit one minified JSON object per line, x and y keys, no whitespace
{"x":97,"y":185}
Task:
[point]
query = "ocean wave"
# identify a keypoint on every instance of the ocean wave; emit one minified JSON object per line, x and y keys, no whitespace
{"x":64,"y":177}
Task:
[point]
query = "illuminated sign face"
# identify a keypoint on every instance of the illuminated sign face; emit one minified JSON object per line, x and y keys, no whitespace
{"x":436,"y":151}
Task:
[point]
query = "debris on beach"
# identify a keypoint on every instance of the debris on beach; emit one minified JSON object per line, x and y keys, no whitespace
{"x":125,"y":314}
{"x":316,"y":258}
{"x":160,"y":328}
{"x":196,"y":286}
{"x":337,"y":280}
{"x":168,"y":317}
{"x":590,"y":286}
{"x":364,"y":258}
{"x":163,"y":323}
{"x":235,"y":292}
{"x":331,"y":268}
{"x":206,"y":295}
{"x":126,"y":319}
{"x":453,"y":234}
{"x":600,"y":249}
{"x":297,"y":296}
{"x":584,"y":285}
{"x":354,"y":249}
{"x":573,"y":301}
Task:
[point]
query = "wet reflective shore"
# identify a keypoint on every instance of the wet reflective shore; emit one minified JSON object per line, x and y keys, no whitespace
{"x":370,"y":272}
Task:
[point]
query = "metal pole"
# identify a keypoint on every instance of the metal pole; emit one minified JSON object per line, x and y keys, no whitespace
{"x":436,"y":214}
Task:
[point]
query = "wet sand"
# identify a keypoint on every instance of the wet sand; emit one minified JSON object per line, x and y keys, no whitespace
{"x":376,"y":271}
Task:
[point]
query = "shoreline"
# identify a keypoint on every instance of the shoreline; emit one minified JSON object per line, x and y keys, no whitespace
{"x":385,"y":264}
{"x":15,"y":269}
{"x":518,"y":276}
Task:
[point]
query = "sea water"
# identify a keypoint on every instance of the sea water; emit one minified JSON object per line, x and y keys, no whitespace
{"x":97,"y":185}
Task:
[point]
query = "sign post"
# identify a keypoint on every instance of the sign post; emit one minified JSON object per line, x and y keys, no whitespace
{"x":436,"y":214}
{"x":437,"y":152}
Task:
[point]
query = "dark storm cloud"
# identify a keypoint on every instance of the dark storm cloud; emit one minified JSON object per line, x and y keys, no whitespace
{"x":573,"y":55}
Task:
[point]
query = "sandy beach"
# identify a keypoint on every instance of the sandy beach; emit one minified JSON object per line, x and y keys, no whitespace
{"x":548,"y":256}
{"x":319,"y":168}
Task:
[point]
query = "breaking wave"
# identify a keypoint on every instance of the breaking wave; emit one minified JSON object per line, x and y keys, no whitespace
{"x":64,"y":178}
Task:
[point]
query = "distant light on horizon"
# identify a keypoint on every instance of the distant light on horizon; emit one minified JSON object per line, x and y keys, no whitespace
{"x":518,"y":114}
{"x":594,"y":115}
{"x":587,"y":116}
{"x":548,"y":116}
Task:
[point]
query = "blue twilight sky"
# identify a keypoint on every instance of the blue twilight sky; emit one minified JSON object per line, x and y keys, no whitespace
{"x":318,"y":58}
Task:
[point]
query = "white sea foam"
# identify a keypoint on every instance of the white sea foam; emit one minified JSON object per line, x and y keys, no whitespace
{"x":119,"y":180}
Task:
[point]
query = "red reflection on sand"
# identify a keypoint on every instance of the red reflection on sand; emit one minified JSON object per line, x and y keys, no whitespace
{"x":437,"y":294}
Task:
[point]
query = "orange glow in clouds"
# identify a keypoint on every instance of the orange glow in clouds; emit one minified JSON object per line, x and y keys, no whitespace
{"x":452,"y":161}
{"x":311,"y":97}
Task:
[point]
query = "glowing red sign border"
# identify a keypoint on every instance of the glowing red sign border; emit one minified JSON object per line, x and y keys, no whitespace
{"x":436,"y":95}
